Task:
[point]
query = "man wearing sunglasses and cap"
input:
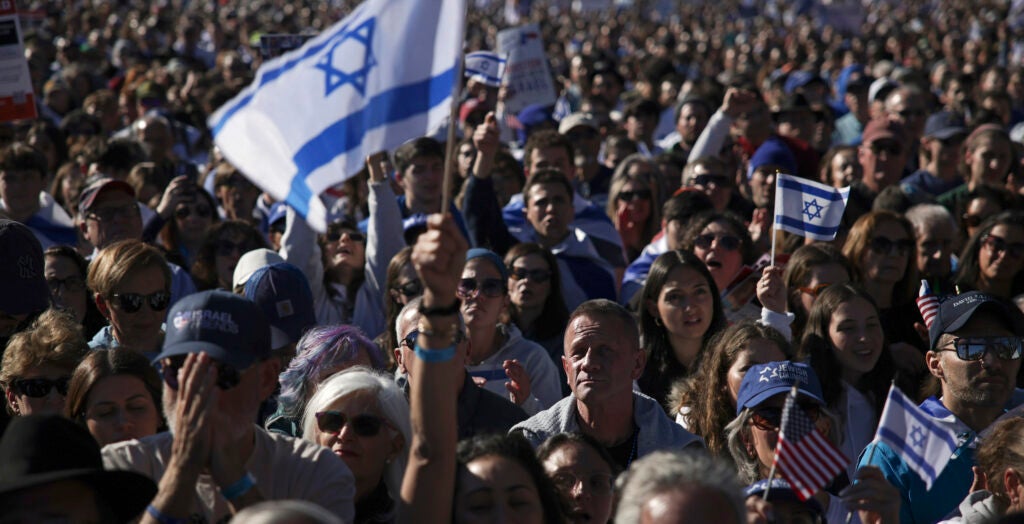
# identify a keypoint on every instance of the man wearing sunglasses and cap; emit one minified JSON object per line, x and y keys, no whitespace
{"x":975,"y":354}
{"x":217,"y":368}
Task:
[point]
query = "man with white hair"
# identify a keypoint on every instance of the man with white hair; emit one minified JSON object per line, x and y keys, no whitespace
{"x":935,"y":234}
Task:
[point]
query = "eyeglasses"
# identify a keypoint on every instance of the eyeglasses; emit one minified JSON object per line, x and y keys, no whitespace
{"x":974,"y":348}
{"x":490,"y":287}
{"x":1000,"y":245}
{"x":226,"y":248}
{"x":639,"y":194}
{"x":887,"y":246}
{"x":726,"y":242}
{"x":107,"y":214}
{"x":227,"y":376}
{"x":410,"y":340}
{"x":354,"y":236}
{"x":707,"y":180}
{"x":412,"y":288}
{"x":72,"y":284}
{"x":364,"y":425}
{"x":770,"y":419}
{"x":533,"y":275}
{"x":40,"y":387}
{"x":816,"y":289}
{"x":184,"y":212}
{"x":973,"y":220}
{"x":132,"y":302}
{"x":599,"y":484}
{"x":888,"y":147}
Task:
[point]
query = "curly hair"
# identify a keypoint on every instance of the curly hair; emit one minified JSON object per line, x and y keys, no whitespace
{"x":706,"y":391}
{"x":1001,"y":450}
{"x":701,"y":221}
{"x":53,"y":339}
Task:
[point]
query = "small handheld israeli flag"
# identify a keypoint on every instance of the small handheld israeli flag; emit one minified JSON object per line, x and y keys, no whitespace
{"x":486,"y":67}
{"x":382,"y":76}
{"x":923,"y":445}
{"x":807,"y":208}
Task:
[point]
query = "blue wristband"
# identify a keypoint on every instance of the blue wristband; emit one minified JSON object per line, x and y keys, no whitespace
{"x":163,"y":519}
{"x":434,"y":355}
{"x":239,"y":488}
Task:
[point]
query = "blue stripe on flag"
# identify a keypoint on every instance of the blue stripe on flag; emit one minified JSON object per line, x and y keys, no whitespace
{"x":346,"y":134}
{"x":788,"y":183}
{"x":900,"y":445}
{"x":271,"y":75}
{"x":489,"y":78}
{"x":804,"y":226}
{"x":922,"y":419}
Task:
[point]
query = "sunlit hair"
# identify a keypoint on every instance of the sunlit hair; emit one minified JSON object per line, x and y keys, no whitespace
{"x":322,"y":348}
{"x":395,"y":267}
{"x":1002,"y":449}
{"x":53,"y":339}
{"x":676,"y":471}
{"x":798,"y":274}
{"x":706,"y":391}
{"x":391,"y":402}
{"x":737,"y":433}
{"x":115,"y":263}
{"x":859,"y":239}
{"x":817,"y":347}
{"x":735,"y":225}
{"x":649,"y":180}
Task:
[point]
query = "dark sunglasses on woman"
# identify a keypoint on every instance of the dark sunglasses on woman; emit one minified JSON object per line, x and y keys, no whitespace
{"x":364,"y":425}
{"x":490,"y":287}
{"x":726,"y":242}
{"x":40,"y":387}
{"x":770,"y":419}
{"x":533,"y":275}
{"x":335,"y":236}
{"x":132,"y":302}
{"x":887,"y":246}
{"x":412,"y":288}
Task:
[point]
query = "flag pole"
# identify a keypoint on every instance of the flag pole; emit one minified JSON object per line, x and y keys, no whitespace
{"x":777,"y":195}
{"x":771,"y":472}
{"x":453,"y":117}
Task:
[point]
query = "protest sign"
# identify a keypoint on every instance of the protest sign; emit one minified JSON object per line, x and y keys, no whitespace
{"x":527,"y":77}
{"x":16,"y":99}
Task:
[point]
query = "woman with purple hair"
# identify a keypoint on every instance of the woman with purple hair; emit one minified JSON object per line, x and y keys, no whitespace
{"x":320,"y":353}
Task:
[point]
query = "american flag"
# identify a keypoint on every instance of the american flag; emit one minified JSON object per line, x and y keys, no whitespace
{"x":803,"y":455}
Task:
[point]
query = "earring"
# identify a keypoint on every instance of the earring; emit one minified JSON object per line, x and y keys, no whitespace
{"x":657,"y":322}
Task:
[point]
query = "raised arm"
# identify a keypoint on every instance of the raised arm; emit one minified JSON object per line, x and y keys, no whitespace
{"x":384,"y":240}
{"x":429,"y":483}
{"x":480,"y":206}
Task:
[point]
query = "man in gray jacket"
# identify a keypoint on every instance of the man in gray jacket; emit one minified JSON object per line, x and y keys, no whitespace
{"x":602,"y":359}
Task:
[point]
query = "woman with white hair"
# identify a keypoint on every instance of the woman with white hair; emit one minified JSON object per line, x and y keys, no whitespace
{"x":363,"y":417}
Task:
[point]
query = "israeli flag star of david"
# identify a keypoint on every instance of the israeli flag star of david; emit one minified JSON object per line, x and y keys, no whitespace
{"x":380,"y":77}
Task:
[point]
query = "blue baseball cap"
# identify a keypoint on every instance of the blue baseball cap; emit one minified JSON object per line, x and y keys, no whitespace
{"x":764,"y":381}
{"x":490,"y":256}
{"x":228,"y":327}
{"x":780,"y":491}
{"x":282,"y":292}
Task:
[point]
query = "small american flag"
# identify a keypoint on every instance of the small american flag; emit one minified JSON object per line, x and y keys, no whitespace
{"x":803,"y":455}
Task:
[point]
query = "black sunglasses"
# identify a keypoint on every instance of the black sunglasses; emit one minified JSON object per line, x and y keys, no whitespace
{"x":770,"y":419}
{"x":355,"y":236}
{"x":973,"y":220}
{"x":184,"y":212}
{"x":132,"y":302}
{"x":892,"y":148}
{"x":974,"y":348}
{"x":412,"y":288}
{"x":364,"y":425}
{"x":73,"y":284}
{"x":533,"y":275}
{"x":40,"y":387}
{"x":887,"y":246}
{"x":1000,"y":245}
{"x":726,"y":242}
{"x":410,"y":340}
{"x":227,"y":376}
{"x":707,"y":180}
{"x":490,"y":287}
{"x":639,"y":194}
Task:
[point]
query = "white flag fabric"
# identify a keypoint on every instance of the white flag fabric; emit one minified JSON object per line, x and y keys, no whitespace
{"x":486,"y":67}
{"x":380,"y":77}
{"x":923,"y":445}
{"x":807,"y":208}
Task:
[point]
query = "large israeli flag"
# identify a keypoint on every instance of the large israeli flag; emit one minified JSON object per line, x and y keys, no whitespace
{"x":807,"y":208}
{"x":378,"y":78}
{"x":923,"y":445}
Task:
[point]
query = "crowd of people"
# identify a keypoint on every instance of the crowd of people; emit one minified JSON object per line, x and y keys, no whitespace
{"x":598,"y":323}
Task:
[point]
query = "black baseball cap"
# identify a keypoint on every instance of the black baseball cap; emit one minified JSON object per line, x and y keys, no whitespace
{"x":228,"y":327}
{"x":955,"y":311}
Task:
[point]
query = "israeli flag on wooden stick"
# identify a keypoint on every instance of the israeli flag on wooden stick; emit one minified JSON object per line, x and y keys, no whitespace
{"x":807,"y":208}
{"x":382,"y":76}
